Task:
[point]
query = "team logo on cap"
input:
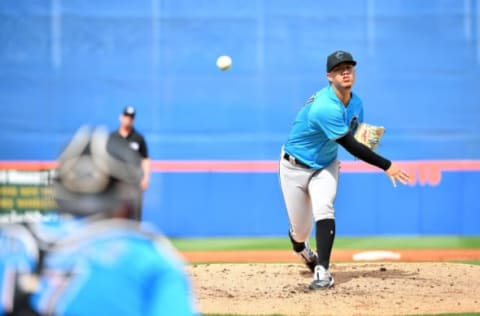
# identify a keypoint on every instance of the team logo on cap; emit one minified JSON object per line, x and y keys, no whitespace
{"x":339,"y":55}
{"x":130,"y":110}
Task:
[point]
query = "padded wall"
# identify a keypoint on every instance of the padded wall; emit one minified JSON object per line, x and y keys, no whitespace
{"x":67,"y":63}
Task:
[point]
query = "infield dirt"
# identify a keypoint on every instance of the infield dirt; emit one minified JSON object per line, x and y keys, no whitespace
{"x":361,"y":288}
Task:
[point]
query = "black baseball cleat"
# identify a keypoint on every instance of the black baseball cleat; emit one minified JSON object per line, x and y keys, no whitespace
{"x":322,"y":279}
{"x":309,"y":257}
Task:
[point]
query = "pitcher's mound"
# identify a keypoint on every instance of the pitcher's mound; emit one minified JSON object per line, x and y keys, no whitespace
{"x":360,"y":289}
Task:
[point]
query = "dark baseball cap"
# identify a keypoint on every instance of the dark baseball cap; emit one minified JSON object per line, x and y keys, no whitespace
{"x":129,"y":111}
{"x":339,"y":57}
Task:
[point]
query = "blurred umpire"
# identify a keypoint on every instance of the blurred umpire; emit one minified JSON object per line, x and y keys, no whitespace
{"x":137,"y":142}
{"x":92,"y":260}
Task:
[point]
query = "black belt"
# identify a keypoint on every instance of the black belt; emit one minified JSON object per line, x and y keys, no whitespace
{"x":295,"y":161}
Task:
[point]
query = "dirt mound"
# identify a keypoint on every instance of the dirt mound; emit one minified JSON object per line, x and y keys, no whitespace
{"x":360,"y":289}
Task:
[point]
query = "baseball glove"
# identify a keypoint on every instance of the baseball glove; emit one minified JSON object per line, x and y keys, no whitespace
{"x":369,"y":135}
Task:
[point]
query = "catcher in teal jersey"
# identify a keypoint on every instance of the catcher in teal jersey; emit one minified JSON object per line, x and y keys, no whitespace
{"x":92,"y":261}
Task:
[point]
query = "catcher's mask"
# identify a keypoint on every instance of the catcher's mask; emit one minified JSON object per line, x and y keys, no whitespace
{"x":97,"y":173}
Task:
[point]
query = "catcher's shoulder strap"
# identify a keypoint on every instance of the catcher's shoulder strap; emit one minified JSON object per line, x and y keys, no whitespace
{"x":18,"y":242}
{"x":20,"y":260}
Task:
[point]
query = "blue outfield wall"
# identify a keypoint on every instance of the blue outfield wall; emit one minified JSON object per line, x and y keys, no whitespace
{"x":250,"y":204}
{"x":67,"y":63}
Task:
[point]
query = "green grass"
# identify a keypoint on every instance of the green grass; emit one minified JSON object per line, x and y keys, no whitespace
{"x":388,"y":242}
{"x":434,"y":242}
{"x":476,"y":262}
{"x":231,"y":243}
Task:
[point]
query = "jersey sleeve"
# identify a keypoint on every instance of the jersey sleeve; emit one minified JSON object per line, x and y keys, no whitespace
{"x":330,"y":120}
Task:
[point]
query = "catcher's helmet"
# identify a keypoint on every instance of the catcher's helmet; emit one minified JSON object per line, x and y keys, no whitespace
{"x":97,"y":173}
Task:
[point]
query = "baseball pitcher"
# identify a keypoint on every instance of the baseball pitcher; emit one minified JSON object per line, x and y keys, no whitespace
{"x":309,"y":167}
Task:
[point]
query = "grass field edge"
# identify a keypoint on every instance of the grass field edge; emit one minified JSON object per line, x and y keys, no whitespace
{"x":357,"y":243}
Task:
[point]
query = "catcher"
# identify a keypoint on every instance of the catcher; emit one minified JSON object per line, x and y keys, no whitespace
{"x":309,"y":167}
{"x":93,"y":260}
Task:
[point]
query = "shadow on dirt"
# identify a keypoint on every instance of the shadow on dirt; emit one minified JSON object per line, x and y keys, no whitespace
{"x":362,"y":272}
{"x":378,"y":272}
{"x":382,"y":273}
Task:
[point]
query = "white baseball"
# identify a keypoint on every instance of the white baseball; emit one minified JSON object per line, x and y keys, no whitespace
{"x":224,"y":62}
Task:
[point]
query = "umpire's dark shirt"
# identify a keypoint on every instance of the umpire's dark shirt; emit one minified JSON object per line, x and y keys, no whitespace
{"x":136,"y":142}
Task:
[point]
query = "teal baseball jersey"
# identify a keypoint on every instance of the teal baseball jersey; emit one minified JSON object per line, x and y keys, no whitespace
{"x":109,"y":267}
{"x":321,"y":121}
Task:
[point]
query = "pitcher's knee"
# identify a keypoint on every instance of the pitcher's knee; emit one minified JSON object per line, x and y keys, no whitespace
{"x":327,"y":212}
